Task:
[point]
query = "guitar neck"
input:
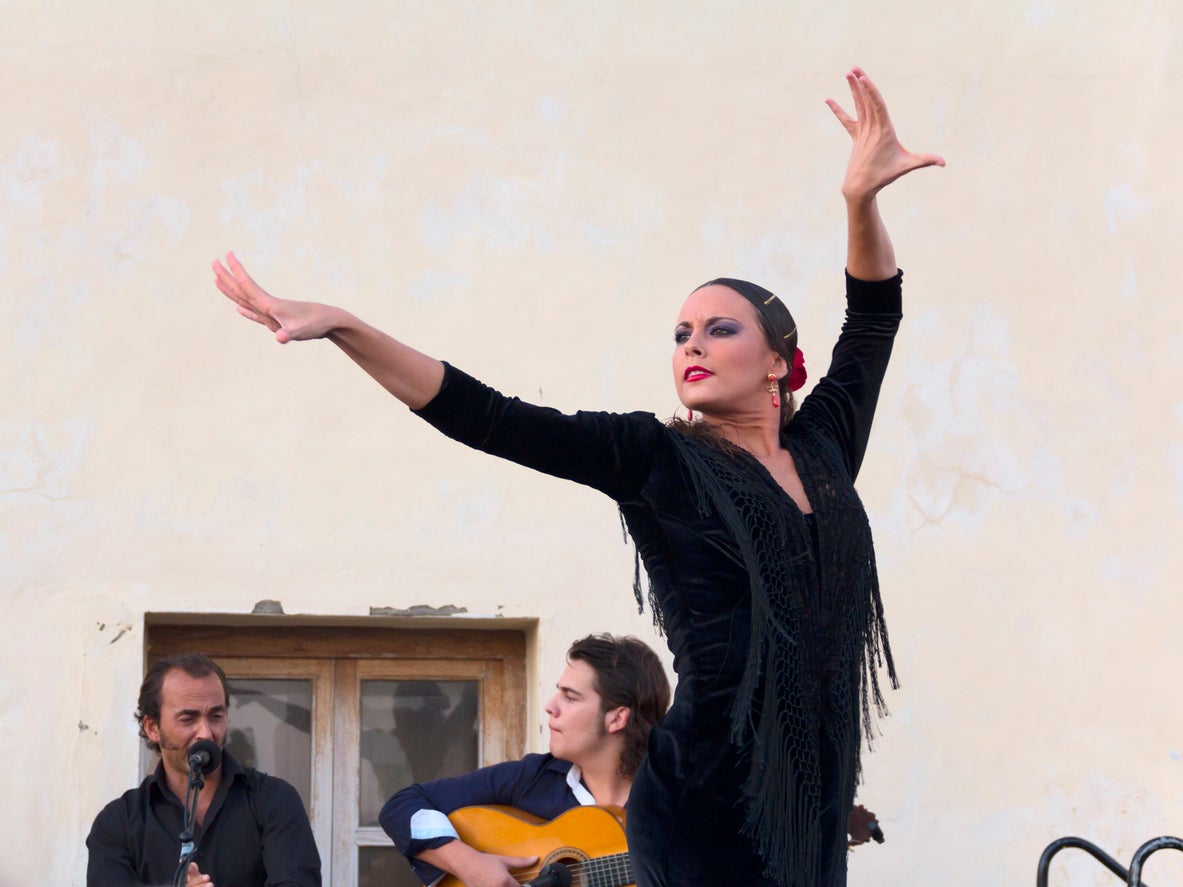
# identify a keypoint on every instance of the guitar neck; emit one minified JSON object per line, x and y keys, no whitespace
{"x":615,"y":870}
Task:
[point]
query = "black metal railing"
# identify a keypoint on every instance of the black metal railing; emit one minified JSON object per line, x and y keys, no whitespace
{"x":1152,"y":846}
{"x":1132,"y":877}
{"x":1045,"y":861}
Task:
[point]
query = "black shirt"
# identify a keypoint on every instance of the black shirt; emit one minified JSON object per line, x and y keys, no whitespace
{"x":256,"y":833}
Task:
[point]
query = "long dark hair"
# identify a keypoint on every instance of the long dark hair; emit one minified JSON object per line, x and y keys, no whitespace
{"x":628,"y":674}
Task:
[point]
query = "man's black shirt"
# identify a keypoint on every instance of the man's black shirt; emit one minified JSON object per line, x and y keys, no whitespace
{"x":256,"y":833}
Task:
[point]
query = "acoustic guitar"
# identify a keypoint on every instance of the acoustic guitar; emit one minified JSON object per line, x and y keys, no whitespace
{"x":588,"y":840}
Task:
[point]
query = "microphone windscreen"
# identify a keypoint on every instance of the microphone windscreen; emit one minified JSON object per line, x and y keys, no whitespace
{"x":205,"y":755}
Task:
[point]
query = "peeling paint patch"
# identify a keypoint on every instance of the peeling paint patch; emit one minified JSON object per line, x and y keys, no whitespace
{"x":267,"y":608}
{"x":23,"y":176}
{"x":489,"y":208}
{"x":1129,"y":285}
{"x":1121,"y":206}
{"x":419,"y":610}
{"x":42,"y":459}
{"x":1041,"y":13}
{"x":960,"y":468}
{"x":120,"y":158}
{"x":267,"y":210}
{"x":370,"y":182}
{"x":1138,"y":571}
{"x":550,"y":110}
{"x":472,"y":510}
{"x":434,"y":285}
{"x":1175,"y":454}
{"x":1081,"y":514}
{"x":150,"y":218}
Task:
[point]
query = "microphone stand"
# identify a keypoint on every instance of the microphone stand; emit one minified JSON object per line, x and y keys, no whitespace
{"x":192,"y":794}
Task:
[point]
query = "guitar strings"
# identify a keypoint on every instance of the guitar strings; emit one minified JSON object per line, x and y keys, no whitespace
{"x":614,"y":864}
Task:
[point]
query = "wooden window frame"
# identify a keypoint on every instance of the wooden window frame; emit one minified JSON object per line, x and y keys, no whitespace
{"x":337,"y":658}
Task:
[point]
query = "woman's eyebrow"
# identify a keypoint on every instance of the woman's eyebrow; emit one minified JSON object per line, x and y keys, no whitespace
{"x":709,"y":320}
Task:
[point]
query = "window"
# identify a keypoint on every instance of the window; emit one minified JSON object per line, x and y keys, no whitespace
{"x":349,"y":715}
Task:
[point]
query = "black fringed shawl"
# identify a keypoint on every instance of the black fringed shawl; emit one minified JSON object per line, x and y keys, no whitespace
{"x":817,"y":632}
{"x":817,"y":639}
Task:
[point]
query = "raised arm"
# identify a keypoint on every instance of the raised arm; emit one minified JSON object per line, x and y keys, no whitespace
{"x":876,"y":160}
{"x":412,"y":377}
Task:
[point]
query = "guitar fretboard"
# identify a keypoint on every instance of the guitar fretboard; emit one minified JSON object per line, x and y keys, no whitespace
{"x":607,"y":871}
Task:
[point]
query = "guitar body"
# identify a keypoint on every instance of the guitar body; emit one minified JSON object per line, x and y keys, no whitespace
{"x":588,"y":840}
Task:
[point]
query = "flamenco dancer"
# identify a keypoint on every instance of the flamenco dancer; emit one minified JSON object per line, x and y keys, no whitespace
{"x":758,"y":551}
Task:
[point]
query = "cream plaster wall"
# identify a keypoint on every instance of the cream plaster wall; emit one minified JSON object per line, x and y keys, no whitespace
{"x":528,"y":189}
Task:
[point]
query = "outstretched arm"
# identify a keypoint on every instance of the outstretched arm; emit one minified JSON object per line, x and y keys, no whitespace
{"x":412,"y":377}
{"x":876,"y":160}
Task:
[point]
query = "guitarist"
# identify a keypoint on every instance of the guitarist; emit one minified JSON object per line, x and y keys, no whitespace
{"x":612,"y":692}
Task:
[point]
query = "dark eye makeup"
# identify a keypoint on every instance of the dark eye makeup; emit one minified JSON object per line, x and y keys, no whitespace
{"x":714,"y":328}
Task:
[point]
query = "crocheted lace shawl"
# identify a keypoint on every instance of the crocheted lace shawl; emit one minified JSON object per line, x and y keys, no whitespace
{"x":817,"y":641}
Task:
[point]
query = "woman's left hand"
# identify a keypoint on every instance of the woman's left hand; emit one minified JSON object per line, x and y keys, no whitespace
{"x":877,"y":158}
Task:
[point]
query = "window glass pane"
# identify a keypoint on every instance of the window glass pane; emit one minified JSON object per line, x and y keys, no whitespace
{"x":271,"y":729}
{"x":414,"y":731}
{"x":384,"y":867}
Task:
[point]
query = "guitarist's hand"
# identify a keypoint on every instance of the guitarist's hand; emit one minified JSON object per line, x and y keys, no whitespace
{"x":491,"y":870}
{"x":477,"y":869}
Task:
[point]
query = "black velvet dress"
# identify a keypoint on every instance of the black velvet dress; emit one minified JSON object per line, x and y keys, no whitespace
{"x":750,"y":777}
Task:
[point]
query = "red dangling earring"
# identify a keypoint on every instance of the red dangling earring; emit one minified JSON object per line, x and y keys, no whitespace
{"x":689,"y":415}
{"x":774,"y":390}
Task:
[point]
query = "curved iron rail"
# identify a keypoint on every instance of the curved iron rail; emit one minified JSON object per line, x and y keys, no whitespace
{"x":1045,"y":861}
{"x":1151,"y":846}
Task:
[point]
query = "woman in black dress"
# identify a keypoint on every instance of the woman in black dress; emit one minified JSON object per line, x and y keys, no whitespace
{"x":757,"y":549}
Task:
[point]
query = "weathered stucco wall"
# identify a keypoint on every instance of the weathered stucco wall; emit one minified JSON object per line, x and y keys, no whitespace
{"x":529,"y":190}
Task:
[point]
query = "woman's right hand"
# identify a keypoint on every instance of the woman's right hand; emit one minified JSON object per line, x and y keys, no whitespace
{"x":290,"y":321}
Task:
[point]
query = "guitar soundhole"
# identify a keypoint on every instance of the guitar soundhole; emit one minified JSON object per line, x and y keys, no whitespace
{"x":574,"y":859}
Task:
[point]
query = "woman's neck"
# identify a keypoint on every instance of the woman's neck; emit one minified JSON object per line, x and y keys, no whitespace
{"x":759,"y":435}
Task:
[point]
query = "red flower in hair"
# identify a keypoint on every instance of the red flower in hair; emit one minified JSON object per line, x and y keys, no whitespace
{"x":797,"y":376}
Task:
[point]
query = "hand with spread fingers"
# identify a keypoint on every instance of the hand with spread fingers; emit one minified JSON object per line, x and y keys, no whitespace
{"x":877,"y":158}
{"x":290,"y":321}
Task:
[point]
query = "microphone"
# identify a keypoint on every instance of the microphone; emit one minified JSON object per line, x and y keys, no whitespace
{"x":204,"y":756}
{"x":554,"y":875}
